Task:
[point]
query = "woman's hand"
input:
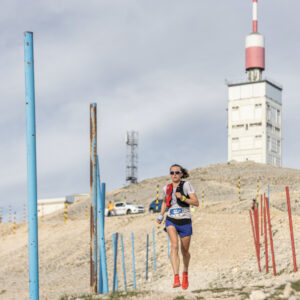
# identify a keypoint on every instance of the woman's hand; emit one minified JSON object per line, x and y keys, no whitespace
{"x":159,"y":219}
{"x":178,"y":195}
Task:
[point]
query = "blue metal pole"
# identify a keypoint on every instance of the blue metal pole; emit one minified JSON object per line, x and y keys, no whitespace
{"x":147,"y":256}
{"x":93,"y":197}
{"x":100,"y":229}
{"x":154,"y":258}
{"x":123,"y":259}
{"x":102,"y":256}
{"x":168,"y":247}
{"x":133,"y":261}
{"x":103,"y":191}
{"x":31,"y":168}
{"x":115,"y":246}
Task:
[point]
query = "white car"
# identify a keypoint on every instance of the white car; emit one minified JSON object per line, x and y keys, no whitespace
{"x":126,"y":208}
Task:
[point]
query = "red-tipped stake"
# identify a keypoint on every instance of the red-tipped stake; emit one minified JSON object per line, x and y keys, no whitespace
{"x":266,"y":235}
{"x":255,"y":243}
{"x":261,"y":214}
{"x":256,"y":216}
{"x":271,"y":237}
{"x":291,"y":227}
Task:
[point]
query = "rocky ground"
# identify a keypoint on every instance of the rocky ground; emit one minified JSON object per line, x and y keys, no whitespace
{"x":223,"y":263}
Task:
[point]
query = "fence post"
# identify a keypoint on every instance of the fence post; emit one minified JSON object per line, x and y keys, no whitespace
{"x":291,"y":227}
{"x":261,"y":215}
{"x":102,"y":280}
{"x":254,"y":237}
{"x":157,"y":196}
{"x":66,"y":212}
{"x":133,"y":261}
{"x":9,"y":214}
{"x":154,"y":256}
{"x":93,"y":197}
{"x":15,"y":223}
{"x":100,"y":230}
{"x":123,"y":260}
{"x":24,"y":213}
{"x":271,"y":238}
{"x":115,"y":274}
{"x":147,"y":246}
{"x":239,"y":186}
{"x":31,"y":168}
{"x":266,"y":235}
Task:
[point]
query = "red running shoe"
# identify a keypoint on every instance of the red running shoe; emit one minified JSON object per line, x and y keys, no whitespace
{"x":185,"y":281}
{"x":176,"y":281}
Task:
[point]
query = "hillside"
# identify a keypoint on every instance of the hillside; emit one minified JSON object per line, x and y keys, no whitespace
{"x":223,"y":263}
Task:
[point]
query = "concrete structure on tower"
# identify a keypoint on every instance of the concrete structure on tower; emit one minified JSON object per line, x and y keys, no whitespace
{"x":254,"y":109}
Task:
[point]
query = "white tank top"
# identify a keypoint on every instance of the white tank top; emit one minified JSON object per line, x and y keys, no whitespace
{"x":176,"y":211}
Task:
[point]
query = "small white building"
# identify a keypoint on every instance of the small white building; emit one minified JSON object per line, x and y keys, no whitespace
{"x":48,"y":206}
{"x":254,"y":108}
{"x":254,"y":122}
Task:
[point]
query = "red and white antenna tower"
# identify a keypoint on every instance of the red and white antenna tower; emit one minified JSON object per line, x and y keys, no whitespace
{"x":255,"y":50}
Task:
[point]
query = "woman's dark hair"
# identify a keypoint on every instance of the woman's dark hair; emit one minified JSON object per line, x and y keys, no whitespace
{"x":184,"y":171}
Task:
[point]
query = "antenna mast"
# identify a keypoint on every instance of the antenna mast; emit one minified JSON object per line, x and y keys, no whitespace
{"x":131,"y":157}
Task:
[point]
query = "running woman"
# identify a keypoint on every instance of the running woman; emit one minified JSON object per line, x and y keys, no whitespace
{"x":178,"y":196}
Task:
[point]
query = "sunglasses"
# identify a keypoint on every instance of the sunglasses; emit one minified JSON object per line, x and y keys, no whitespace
{"x":175,"y":172}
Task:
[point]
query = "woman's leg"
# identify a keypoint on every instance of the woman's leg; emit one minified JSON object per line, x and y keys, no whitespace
{"x":185,"y":245}
{"x":174,"y":257}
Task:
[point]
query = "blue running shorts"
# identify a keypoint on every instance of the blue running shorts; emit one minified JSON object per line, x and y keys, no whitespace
{"x":182,"y":230}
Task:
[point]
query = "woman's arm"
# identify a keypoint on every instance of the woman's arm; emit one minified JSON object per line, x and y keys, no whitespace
{"x":162,"y":210}
{"x":192,"y":201}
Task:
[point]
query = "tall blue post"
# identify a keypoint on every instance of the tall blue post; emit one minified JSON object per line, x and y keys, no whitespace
{"x":123,"y":260}
{"x":147,"y":246}
{"x":102,"y":280}
{"x":31,"y":168}
{"x":100,"y":229}
{"x":103,"y":191}
{"x":154,"y":258}
{"x":115,"y":247}
{"x":133,"y":261}
{"x":168,"y":247}
{"x":93,"y":197}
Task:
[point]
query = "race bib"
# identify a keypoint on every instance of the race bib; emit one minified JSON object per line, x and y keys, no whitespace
{"x":176,"y":212}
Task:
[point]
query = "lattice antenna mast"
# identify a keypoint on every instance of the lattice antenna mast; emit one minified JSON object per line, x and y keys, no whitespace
{"x":131,"y":157}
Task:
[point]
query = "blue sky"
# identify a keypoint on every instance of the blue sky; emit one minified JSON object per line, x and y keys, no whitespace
{"x":158,"y":67}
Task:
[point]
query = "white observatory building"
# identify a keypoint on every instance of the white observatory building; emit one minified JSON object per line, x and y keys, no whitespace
{"x":254,"y":109}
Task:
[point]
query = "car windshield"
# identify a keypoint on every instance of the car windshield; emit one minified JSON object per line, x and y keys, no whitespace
{"x":129,"y":203}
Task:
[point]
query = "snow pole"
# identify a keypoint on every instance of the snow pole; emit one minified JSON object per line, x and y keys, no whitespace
{"x":261,"y":214}
{"x":266,"y":234}
{"x":133,"y":261}
{"x":254,"y":238}
{"x":123,"y":261}
{"x":147,"y":246}
{"x":256,"y":214}
{"x":291,"y":227}
{"x":154,"y":258}
{"x":101,"y":234}
{"x":271,"y":238}
{"x":269,"y":194}
{"x":31,"y":168}
{"x":115,"y":274}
